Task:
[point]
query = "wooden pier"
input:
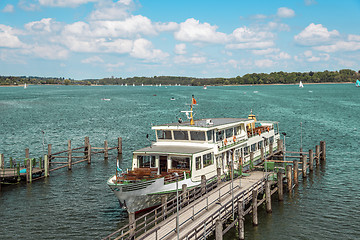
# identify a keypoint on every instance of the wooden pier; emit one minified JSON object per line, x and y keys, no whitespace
{"x":31,"y":169}
{"x":215,"y":206}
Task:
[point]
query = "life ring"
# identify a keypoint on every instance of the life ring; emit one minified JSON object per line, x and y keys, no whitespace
{"x":234,"y":138}
{"x":259,"y":132}
{"x":268,"y":129}
{"x":225,"y":141}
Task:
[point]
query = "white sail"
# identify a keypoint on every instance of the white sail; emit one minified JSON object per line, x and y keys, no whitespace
{"x":301,"y":85}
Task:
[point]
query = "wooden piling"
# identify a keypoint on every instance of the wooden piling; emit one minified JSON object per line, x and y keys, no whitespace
{"x":311,"y":160}
{"x":254,"y":208}
{"x":317,"y":154}
{"x":46,"y":166}
{"x":251,"y":160}
{"x":203,"y":184}
{"x":296,"y":172}
{"x":119,"y":148}
{"x":164,"y":209}
{"x":304,"y":166}
{"x":106,"y":148}
{"x":241,"y":228}
{"x":27,"y":154}
{"x":268,"y":196}
{"x":49,"y":151}
{"x":184,"y":195}
{"x":2,"y":162}
{"x":271,"y":148}
{"x":88,"y":155}
{"x":69,"y":155}
{"x":132,"y":223}
{"x":218,"y":171}
{"x":280,"y":184}
{"x":322,"y":151}
{"x":262,"y":154}
{"x":279,"y":145}
{"x":218,"y":229}
{"x":288,"y":177}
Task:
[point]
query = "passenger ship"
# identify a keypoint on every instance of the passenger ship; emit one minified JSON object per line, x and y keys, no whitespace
{"x":184,"y":151}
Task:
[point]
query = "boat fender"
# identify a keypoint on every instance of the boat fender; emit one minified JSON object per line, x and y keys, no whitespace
{"x":268,"y":129}
{"x":225,"y":141}
{"x":259,"y":132}
{"x":234,"y":138}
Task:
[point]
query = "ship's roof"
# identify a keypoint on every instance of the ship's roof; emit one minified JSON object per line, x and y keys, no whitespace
{"x":205,"y":122}
{"x":172,"y":149}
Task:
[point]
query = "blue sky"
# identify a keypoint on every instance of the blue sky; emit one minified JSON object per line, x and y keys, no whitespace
{"x":83,"y":39}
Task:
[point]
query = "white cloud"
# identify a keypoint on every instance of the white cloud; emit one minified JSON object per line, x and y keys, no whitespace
{"x":339,"y":46}
{"x":282,"y":56}
{"x":264,"y":63}
{"x":8,"y":8}
{"x":315,"y":34}
{"x":52,"y":52}
{"x":44,"y":26}
{"x":285,"y":12}
{"x":110,"y":67}
{"x":233,"y":63}
{"x":170,"y":26}
{"x":64,"y":3}
{"x":310,"y":2}
{"x":8,"y":37}
{"x":352,"y":37}
{"x":93,"y":59}
{"x":143,"y":49}
{"x":314,"y":59}
{"x":278,"y":26}
{"x":265,"y":51}
{"x":109,"y":10}
{"x":308,"y":53}
{"x":180,"y":48}
{"x":193,"y":31}
{"x":244,"y":34}
{"x":29,"y":5}
{"x":195,"y":59}
{"x":250,"y":45}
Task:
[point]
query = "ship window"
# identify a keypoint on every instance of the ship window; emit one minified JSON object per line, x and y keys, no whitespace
{"x":219,"y":135}
{"x":146,"y":161}
{"x":180,"y":163}
{"x":253,"y":147}
{"x":163,"y":134}
{"x":197,"y":136}
{"x":207,"y":160}
{"x":181,"y":135}
{"x":238,"y":130}
{"x":229,"y":132}
{"x":198,"y":163}
{"x":209,"y":135}
{"x":246,"y":151}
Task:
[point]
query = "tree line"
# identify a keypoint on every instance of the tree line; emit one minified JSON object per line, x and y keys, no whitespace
{"x":344,"y":75}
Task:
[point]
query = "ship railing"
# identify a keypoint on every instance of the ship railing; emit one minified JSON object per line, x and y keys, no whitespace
{"x":151,"y":219}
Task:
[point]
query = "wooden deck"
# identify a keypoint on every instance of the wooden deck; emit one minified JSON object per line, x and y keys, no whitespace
{"x":11,"y":173}
{"x":206,"y":208}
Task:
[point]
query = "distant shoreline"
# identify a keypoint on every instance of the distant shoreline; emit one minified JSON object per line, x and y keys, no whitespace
{"x":273,"y":84}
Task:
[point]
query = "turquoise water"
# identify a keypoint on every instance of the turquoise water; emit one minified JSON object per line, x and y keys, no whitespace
{"x":77,"y":204}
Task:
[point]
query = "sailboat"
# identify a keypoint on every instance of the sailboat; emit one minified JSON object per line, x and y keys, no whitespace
{"x":26,"y":86}
{"x":301,"y":85}
{"x":357,"y":84}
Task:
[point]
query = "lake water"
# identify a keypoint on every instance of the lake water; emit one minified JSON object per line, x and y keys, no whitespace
{"x":78,"y":204}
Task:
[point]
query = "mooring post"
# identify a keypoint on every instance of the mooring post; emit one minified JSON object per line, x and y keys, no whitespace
{"x":317,"y":154}
{"x":163,"y":203}
{"x":254,"y":207}
{"x":203,"y":184}
{"x":268,"y":196}
{"x":106,"y":154}
{"x":69,"y":155}
{"x":251,"y":160}
{"x":279,"y":145}
{"x":132,"y":223}
{"x":49,"y":151}
{"x":323,"y":151}
{"x":46,"y":166}
{"x":262,"y":154}
{"x":119,"y":148}
{"x":218,"y":229}
{"x":296,"y":172}
{"x":288,"y":177}
{"x":29,"y":173}
{"x":241,"y":220}
{"x":280,"y":184}
{"x":271,"y":149}
{"x":86,"y":146}
{"x":304,"y":166}
{"x":218,"y":171}
{"x":27,"y":155}
{"x":89,"y":154}
{"x":1,"y":161}
{"x":311,"y":160}
{"x":184,"y":195}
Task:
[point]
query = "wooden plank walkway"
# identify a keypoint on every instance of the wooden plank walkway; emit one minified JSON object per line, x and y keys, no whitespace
{"x":206,"y":207}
